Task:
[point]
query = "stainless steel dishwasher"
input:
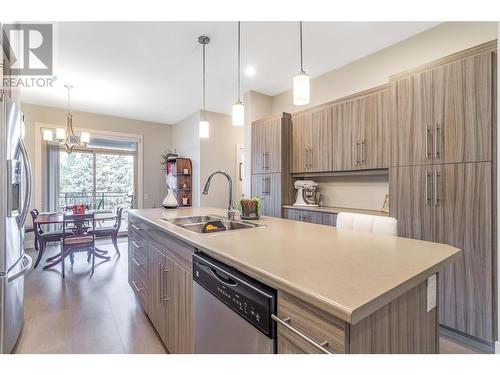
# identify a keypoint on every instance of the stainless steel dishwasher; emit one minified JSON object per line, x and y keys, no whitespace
{"x":232,"y":310}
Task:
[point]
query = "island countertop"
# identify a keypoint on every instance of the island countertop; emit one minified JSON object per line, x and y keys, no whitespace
{"x":348,"y":274}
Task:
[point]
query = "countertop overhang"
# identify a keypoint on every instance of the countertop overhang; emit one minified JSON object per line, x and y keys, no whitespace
{"x":348,"y":274}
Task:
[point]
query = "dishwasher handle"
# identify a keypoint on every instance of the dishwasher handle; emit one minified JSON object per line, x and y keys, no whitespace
{"x":222,"y":277}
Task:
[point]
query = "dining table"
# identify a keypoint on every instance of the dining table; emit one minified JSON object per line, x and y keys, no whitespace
{"x":53,"y":218}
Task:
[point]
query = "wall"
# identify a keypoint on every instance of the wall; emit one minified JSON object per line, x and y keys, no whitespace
{"x":209,"y":154}
{"x":186,"y":141}
{"x":257,"y":106}
{"x":156,"y":137}
{"x":369,"y":191}
{"x":497,"y":344}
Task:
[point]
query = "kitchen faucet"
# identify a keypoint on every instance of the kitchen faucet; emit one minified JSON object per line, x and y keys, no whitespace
{"x":230,"y":207}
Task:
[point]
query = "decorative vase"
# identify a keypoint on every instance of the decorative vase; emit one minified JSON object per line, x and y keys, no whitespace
{"x":170,"y":201}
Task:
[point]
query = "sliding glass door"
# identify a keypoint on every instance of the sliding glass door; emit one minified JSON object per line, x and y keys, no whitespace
{"x":100,"y":179}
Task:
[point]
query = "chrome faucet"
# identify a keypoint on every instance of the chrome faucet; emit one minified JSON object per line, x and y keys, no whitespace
{"x":230,"y":207}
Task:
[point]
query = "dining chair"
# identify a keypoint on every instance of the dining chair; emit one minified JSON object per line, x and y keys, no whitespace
{"x":111,"y":231}
{"x":42,"y":238}
{"x":76,"y":238}
{"x":367,"y":223}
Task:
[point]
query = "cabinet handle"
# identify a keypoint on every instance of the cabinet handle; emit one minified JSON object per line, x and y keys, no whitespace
{"x":436,"y":199}
{"x":135,"y":244}
{"x":427,"y":134}
{"x":427,"y":199}
{"x":137,"y":289}
{"x":265,"y":160}
{"x":363,"y":152}
{"x":263,"y":186}
{"x":136,"y":227}
{"x":161,"y":283}
{"x":437,"y":131}
{"x":268,"y":185}
{"x":310,"y":158}
{"x":136,"y":262}
{"x":357,"y":153}
{"x":285,"y":323}
{"x":305,"y":158}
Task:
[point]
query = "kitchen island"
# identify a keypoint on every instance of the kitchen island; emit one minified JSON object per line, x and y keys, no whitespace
{"x":350,"y":292}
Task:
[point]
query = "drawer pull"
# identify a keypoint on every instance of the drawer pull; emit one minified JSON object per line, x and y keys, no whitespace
{"x":136,"y":262}
{"x":284,"y":323}
{"x":137,"y":289}
{"x":136,"y":227}
{"x":136,"y":246}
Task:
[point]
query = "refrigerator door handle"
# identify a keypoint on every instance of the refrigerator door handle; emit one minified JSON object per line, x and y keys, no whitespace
{"x":29,"y":183}
{"x":26,"y":266}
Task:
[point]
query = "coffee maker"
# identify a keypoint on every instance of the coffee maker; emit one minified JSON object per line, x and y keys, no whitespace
{"x":307,"y":194}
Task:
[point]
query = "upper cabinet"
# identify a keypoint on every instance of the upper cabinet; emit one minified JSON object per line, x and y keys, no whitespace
{"x":312,"y":141}
{"x":270,"y":144}
{"x":348,"y":134}
{"x":444,"y":113}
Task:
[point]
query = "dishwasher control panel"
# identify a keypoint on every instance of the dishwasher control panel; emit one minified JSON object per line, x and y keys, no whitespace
{"x":247,"y":297}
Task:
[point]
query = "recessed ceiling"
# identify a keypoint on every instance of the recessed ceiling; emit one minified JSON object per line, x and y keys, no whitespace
{"x":152,"y":70}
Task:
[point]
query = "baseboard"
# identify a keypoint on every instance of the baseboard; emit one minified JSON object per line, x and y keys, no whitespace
{"x":497,"y":347}
{"x":468,"y":341}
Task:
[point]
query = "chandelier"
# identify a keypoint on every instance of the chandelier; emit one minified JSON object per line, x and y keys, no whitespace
{"x":66,"y":138}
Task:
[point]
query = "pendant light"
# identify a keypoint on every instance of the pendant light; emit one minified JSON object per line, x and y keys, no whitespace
{"x":204,"y":125}
{"x":238,"y":108}
{"x":301,"y":82}
{"x":66,"y":138}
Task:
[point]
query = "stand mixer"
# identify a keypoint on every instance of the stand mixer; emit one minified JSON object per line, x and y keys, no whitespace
{"x":307,"y":194}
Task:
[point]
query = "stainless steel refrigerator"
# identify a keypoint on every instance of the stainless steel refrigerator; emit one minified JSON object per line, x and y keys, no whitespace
{"x":15,"y":199}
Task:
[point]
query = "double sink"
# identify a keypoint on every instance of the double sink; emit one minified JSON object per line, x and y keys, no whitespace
{"x":196,"y":224}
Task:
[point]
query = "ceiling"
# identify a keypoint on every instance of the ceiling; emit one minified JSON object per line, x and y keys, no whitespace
{"x":152,"y":70}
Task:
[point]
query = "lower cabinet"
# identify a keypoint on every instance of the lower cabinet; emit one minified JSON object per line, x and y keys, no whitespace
{"x":163,"y":287}
{"x":306,"y":329}
{"x":314,"y":217}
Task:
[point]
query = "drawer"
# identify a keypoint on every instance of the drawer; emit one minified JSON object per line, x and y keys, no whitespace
{"x":138,"y":248}
{"x":300,"y":325}
{"x":314,"y":217}
{"x":140,"y":288}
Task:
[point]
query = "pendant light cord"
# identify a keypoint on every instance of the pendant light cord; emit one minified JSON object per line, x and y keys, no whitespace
{"x":69,"y":100}
{"x":239,"y":63}
{"x":301,"y":59}
{"x":204,"y":111}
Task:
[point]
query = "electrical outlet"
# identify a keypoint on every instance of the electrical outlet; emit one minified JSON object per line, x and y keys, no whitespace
{"x":431,"y":292}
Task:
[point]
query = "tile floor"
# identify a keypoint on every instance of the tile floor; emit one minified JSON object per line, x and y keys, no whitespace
{"x":84,"y":314}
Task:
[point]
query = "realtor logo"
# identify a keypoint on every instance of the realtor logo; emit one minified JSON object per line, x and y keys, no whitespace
{"x":29,"y":48}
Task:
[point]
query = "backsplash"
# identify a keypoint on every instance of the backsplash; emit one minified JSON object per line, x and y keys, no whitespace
{"x":364,"y":192}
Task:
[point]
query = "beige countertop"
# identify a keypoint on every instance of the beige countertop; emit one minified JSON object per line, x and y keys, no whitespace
{"x":336,"y":210}
{"x":346,"y":273}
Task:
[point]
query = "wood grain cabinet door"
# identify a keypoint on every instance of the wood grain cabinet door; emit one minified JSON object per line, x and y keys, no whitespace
{"x":178,"y":298}
{"x":411,"y":201}
{"x":462,"y":123}
{"x":257,"y":186}
{"x":377,"y":145}
{"x":320,"y":154}
{"x":411,"y":122}
{"x":257,"y":148}
{"x":464,"y":220}
{"x":301,"y":142}
{"x":272,"y":145}
{"x":344,"y":150}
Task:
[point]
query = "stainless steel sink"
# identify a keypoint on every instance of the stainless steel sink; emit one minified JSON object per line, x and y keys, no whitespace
{"x":180,"y":221}
{"x":196,"y":223}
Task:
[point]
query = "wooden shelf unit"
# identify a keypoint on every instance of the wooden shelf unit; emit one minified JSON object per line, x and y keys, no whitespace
{"x":175,"y":172}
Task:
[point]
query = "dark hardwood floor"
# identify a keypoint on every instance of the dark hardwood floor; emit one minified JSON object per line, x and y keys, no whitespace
{"x":84,"y":313}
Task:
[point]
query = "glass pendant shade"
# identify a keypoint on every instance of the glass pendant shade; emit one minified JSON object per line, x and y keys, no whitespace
{"x":85,"y":137}
{"x":60,"y":134}
{"x":204,"y":129}
{"x":238,"y":114}
{"x":301,"y":89}
{"x":47,"y":135}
